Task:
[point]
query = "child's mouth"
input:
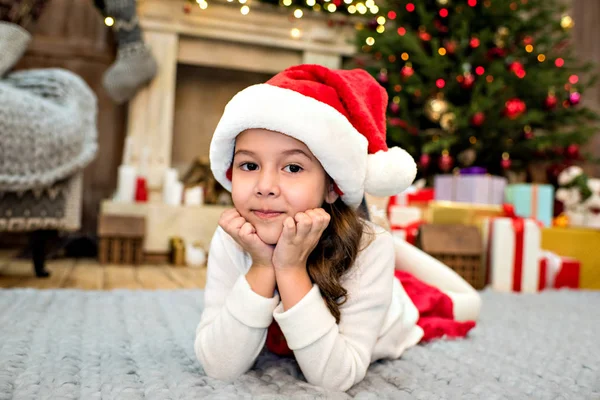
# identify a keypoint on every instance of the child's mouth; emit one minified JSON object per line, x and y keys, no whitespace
{"x":267,"y":214}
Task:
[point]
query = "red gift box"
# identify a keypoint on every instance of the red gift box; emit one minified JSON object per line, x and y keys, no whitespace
{"x":559,"y":272}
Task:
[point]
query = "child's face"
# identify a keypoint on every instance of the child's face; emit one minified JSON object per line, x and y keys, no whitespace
{"x":275,"y":176}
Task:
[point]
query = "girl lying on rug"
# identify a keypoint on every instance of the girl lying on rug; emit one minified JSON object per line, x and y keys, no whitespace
{"x":293,"y":265}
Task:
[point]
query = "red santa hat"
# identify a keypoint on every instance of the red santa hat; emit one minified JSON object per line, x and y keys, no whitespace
{"x":338,"y":114}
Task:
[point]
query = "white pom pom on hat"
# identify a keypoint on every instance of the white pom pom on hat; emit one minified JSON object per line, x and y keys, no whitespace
{"x":338,"y":114}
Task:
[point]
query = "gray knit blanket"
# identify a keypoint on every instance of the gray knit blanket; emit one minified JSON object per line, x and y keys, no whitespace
{"x":139,"y":345}
{"x":47,"y":128}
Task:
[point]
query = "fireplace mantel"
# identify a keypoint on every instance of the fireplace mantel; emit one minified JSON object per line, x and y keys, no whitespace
{"x":218,"y":37}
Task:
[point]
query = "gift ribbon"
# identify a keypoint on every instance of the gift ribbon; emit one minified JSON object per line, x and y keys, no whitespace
{"x":411,"y":230}
{"x":534,"y":201}
{"x":519,"y":229}
{"x":473,"y":171}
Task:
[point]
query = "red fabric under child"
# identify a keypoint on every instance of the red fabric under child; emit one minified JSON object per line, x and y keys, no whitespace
{"x":436,"y":317}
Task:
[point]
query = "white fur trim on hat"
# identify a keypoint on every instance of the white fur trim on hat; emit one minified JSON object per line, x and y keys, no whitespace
{"x":340,"y":148}
{"x":389,"y":172}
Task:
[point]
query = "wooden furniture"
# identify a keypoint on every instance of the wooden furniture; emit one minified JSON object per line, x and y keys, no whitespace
{"x":458,"y":246}
{"x":121,"y":239}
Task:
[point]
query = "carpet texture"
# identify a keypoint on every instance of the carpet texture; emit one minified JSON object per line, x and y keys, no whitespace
{"x":139,"y":345}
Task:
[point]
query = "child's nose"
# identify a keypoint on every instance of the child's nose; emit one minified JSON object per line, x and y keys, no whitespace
{"x":268,"y":183}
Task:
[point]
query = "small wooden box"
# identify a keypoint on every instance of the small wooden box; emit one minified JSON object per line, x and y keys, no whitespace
{"x":460,"y":247}
{"x":121,"y":239}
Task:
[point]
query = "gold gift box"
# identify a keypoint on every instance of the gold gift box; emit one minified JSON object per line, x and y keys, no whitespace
{"x":451,"y":212}
{"x":579,"y":243}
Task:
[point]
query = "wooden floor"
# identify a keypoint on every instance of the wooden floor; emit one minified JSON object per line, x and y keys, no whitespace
{"x":88,"y":274}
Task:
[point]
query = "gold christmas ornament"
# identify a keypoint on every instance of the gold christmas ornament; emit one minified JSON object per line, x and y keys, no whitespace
{"x":500,"y":36}
{"x":443,"y":2}
{"x":467,"y":157}
{"x":448,"y":121}
{"x":435,"y":108}
{"x":566,"y":22}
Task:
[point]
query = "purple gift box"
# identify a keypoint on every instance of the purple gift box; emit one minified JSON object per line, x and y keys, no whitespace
{"x":473,"y":185}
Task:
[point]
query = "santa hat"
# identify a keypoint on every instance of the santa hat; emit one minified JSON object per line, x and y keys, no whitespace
{"x":338,"y":114}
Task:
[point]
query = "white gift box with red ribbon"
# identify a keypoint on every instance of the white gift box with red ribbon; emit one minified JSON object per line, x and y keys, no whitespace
{"x":512,"y":256}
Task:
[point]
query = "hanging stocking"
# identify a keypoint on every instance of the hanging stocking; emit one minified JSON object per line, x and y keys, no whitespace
{"x":135,"y":65}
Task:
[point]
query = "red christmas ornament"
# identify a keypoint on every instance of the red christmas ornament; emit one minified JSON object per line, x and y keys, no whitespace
{"x":394,"y":108}
{"x":550,"y":102}
{"x":467,"y":81}
{"x":426,"y":37}
{"x":529,"y":135}
{"x":424,"y":160}
{"x":496,"y":52}
{"x":478,"y":119}
{"x":440,"y":27}
{"x":514,"y":107}
{"x":573,"y":151}
{"x":406,"y":72}
{"x":450,"y":46}
{"x":505,"y":163}
{"x":445,"y":162}
{"x":517,"y":68}
{"x":397,"y":122}
{"x":574,"y":98}
{"x":382,"y":77}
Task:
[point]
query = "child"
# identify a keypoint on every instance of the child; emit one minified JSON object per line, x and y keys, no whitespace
{"x":293,"y":265}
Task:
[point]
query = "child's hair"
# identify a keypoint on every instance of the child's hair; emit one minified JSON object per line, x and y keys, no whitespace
{"x":335,"y":254}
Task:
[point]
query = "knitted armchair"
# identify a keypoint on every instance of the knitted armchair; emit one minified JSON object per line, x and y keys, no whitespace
{"x":47,"y":136}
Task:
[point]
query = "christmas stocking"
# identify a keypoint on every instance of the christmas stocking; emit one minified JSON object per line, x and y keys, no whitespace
{"x":135,"y":65}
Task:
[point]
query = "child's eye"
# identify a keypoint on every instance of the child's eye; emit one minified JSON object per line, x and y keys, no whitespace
{"x":248,"y":166}
{"x":293,"y":168}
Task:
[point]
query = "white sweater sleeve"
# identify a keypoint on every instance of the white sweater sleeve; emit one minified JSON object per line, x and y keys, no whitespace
{"x":337,"y":356}
{"x":233,"y":327}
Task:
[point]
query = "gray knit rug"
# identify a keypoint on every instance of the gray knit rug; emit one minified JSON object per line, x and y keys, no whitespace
{"x":139,"y":345}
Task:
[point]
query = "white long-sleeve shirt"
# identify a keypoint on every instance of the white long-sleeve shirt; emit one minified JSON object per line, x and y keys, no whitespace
{"x":377,"y":321}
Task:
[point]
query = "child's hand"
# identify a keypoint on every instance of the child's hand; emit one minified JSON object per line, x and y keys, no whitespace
{"x":245,"y":235}
{"x":299,"y":237}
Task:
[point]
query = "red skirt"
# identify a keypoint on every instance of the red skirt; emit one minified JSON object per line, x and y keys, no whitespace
{"x":436,"y":317}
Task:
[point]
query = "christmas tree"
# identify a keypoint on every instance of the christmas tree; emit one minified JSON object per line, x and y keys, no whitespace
{"x":488,"y":83}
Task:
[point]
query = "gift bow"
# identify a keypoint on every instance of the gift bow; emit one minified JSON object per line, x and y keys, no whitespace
{"x":553,"y":265}
{"x":411,"y":230}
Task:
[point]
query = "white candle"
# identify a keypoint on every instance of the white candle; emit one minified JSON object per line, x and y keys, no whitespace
{"x":173,"y":193}
{"x":195,"y":256}
{"x":126,"y":184}
{"x":169,"y":179}
{"x":194,"y":196}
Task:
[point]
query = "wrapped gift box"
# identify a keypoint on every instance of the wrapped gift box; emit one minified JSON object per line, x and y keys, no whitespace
{"x":512,"y":256}
{"x":413,"y":198}
{"x":405,"y":222}
{"x":532,"y":201}
{"x":558,"y":272}
{"x":453,"y":213}
{"x":578,"y":243}
{"x":479,"y":189}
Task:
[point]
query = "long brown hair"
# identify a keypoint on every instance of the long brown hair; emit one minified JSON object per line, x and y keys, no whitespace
{"x":335,"y":254}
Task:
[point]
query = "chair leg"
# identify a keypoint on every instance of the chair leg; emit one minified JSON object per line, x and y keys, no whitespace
{"x":38,"y":241}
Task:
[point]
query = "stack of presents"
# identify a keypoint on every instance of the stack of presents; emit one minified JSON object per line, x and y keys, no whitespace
{"x":505,"y":236}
